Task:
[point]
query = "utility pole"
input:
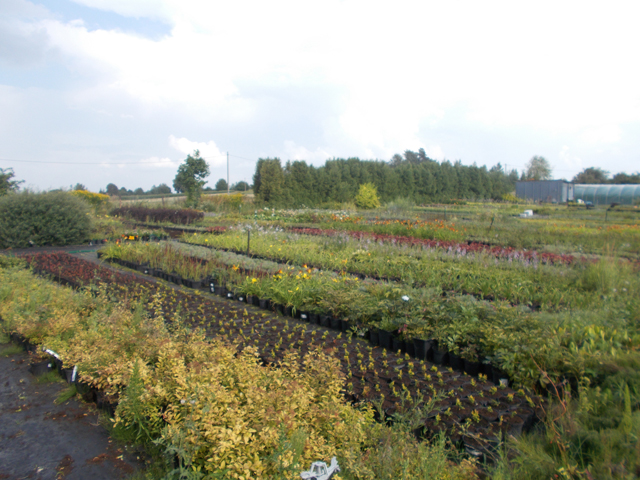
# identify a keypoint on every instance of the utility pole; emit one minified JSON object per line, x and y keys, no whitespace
{"x":227,"y":173}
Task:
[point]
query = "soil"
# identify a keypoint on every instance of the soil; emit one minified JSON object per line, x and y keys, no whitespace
{"x":42,"y":440}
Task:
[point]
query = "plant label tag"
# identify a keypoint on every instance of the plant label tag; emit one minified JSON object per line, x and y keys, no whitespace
{"x":211,"y":287}
{"x":74,"y":373}
{"x":303,"y":316}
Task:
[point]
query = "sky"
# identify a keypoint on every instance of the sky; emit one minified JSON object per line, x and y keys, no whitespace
{"x":121,"y":91}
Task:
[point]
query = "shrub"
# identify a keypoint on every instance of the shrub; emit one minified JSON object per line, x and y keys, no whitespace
{"x":98,"y":201}
{"x":225,"y":203}
{"x":183,"y":216}
{"x":51,"y":218}
{"x":367,"y":197}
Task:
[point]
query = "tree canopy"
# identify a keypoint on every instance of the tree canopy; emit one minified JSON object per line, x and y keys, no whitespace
{"x":411,"y":175}
{"x":112,"y":189}
{"x":591,"y":175}
{"x":191,"y":177}
{"x":163,"y":188}
{"x":240,"y":186}
{"x":6,"y":183}
{"x":221,"y":185}
{"x":538,"y":168}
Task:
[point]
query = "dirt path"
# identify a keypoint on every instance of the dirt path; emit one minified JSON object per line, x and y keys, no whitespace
{"x":42,"y":440}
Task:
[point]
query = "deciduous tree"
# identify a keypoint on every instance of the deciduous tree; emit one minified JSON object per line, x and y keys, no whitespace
{"x":591,"y":175}
{"x":191,"y":178}
{"x":538,"y":168}
{"x":6,"y":183}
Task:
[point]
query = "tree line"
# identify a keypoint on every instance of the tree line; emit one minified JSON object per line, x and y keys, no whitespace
{"x":412,"y":175}
{"x":595,"y":175}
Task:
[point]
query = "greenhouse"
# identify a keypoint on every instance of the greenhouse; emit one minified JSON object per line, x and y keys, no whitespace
{"x":607,"y":194}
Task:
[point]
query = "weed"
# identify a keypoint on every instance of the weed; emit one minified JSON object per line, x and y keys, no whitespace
{"x":66,"y":394}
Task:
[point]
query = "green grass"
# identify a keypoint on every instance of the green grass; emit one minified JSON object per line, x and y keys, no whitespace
{"x":49,"y":377}
{"x":66,"y":394}
{"x":10,"y":349}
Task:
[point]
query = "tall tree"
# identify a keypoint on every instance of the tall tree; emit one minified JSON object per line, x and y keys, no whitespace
{"x":6,"y":183}
{"x":592,"y":175}
{"x":191,"y":178}
{"x":112,"y":189}
{"x":240,"y":186}
{"x":623,"y":178}
{"x":221,"y":185}
{"x":162,"y":189}
{"x":538,"y":168}
{"x":271,"y":181}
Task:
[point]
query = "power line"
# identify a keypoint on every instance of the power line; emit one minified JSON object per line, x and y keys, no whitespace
{"x":140,"y":162}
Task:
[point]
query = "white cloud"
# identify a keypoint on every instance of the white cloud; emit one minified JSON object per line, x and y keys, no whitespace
{"x":393,"y":76}
{"x":434,"y":152}
{"x":208,"y":150}
{"x":570,"y":160}
{"x":298,"y":152}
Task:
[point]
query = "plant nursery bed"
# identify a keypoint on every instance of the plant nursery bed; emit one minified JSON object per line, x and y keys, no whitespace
{"x":44,"y":440}
{"x":371,"y":373}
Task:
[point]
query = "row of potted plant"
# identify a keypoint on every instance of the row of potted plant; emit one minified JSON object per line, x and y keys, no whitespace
{"x":539,"y":286}
{"x":106,"y":354}
{"x":514,"y":340}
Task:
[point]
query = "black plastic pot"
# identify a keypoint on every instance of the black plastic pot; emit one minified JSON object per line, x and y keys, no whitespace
{"x":456,"y":362}
{"x":278,"y":308}
{"x":325,"y":321}
{"x":486,"y":368}
{"x":422,"y":348}
{"x":385,"y":339}
{"x":41,"y":368}
{"x":497,"y":375}
{"x":374,"y":336}
{"x":440,"y":355}
{"x":345,"y":325}
{"x":314,"y":318}
{"x":336,"y":323}
{"x":86,"y":391}
{"x":288,"y":311}
{"x":410,"y":348}
{"x":397,"y":344}
{"x":264,"y":303}
{"x":471,"y":367}
{"x":67,"y":374}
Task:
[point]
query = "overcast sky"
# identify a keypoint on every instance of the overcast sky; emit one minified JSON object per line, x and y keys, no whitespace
{"x":100,"y":91}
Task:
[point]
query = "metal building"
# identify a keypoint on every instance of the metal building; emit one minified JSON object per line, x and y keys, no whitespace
{"x":607,"y":194}
{"x":550,"y":191}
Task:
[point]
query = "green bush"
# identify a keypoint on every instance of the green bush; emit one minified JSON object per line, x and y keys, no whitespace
{"x":51,"y":218}
{"x":367,"y":196}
